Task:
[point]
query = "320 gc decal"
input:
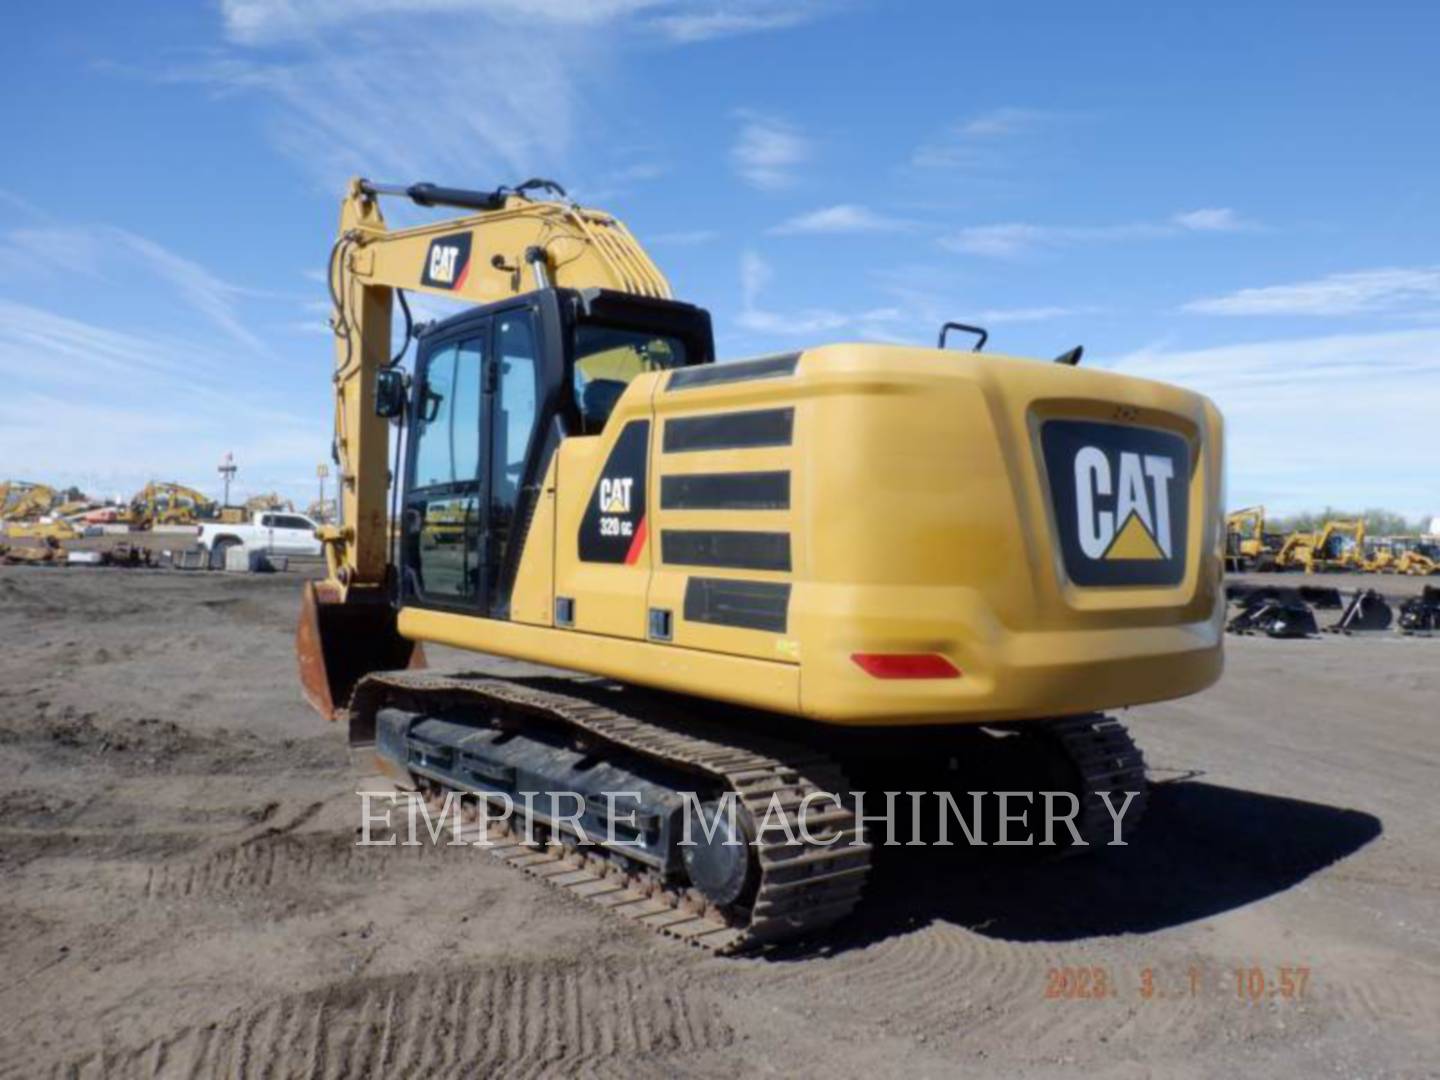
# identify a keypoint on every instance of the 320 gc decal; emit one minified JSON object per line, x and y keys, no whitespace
{"x":614,"y":526}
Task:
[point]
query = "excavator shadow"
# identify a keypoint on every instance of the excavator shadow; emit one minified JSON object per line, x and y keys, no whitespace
{"x":1204,"y":850}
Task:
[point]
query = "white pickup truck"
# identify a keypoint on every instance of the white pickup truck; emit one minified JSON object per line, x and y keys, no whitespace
{"x":275,"y":532}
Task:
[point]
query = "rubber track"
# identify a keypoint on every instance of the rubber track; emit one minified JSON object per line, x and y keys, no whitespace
{"x":803,"y":887}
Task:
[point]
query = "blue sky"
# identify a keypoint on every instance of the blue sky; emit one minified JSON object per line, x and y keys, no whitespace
{"x":1239,"y":198}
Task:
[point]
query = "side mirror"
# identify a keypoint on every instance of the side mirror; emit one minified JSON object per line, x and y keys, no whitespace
{"x":389,"y":393}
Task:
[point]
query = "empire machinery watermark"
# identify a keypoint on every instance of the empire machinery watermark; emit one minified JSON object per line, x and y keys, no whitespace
{"x":621,"y":819}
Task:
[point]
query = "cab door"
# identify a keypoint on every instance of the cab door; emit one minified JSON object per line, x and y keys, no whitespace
{"x":475,"y":458}
{"x":442,"y":526}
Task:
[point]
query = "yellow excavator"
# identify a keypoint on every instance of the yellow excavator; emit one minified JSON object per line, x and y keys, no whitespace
{"x":766,"y":581}
{"x":24,"y":501}
{"x":168,"y":503}
{"x":1419,"y":561}
{"x":1338,"y":546}
{"x":1247,"y":545}
{"x":1404,"y":555}
{"x":32,"y":511}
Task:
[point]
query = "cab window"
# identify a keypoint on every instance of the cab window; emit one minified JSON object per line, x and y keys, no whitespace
{"x":608,"y":359}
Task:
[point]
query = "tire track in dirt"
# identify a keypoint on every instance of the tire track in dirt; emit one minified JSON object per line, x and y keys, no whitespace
{"x":275,"y":861}
{"x":1386,"y":999}
{"x":922,"y":980}
{"x":516,"y":1020}
{"x":942,"y":980}
{"x":1216,"y":1011}
{"x":946,"y":979}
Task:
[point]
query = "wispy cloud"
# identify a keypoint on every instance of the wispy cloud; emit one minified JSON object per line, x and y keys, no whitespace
{"x":171,"y":407}
{"x":1381,"y":390}
{"x":844,"y":218}
{"x":103,"y":251}
{"x":1212,"y":219}
{"x":704,"y":25}
{"x":252,"y":22}
{"x":25,"y":206}
{"x":1365,"y":292}
{"x":326,"y":71}
{"x":1008,"y":120}
{"x":980,"y":141}
{"x":1000,"y":241}
{"x":1009,"y":240}
{"x":768,"y":151}
{"x":317,"y":88}
{"x":995,"y":316}
{"x":757,"y":280}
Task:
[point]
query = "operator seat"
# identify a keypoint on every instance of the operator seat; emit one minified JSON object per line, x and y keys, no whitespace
{"x":597,"y":402}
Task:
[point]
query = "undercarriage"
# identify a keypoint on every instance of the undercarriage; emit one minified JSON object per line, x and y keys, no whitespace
{"x":733,"y":835}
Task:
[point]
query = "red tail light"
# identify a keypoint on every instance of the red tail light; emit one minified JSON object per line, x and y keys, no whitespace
{"x":906,"y":665}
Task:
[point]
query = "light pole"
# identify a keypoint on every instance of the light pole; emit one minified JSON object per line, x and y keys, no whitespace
{"x":228,"y":469}
{"x":322,"y":471}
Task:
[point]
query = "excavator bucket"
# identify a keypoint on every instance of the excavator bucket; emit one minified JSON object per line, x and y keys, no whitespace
{"x":1282,"y":615}
{"x":1367,"y":610}
{"x":1421,"y":614}
{"x":1322,"y":596}
{"x":338,"y":643}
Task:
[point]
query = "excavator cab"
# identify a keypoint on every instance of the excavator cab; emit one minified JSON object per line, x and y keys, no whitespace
{"x":495,"y":390}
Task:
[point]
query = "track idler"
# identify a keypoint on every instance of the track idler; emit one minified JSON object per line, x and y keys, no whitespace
{"x":340,"y":639}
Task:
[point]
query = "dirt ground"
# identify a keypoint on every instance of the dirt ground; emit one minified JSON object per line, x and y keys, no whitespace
{"x":180,"y":893}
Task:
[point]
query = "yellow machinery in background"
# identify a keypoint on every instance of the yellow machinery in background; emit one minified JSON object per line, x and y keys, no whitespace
{"x":42,"y":529}
{"x":168,"y":503}
{"x":843,"y":566}
{"x":321,"y":511}
{"x":23,"y":501}
{"x":1248,"y":546}
{"x":258,"y":504}
{"x":261,"y":504}
{"x":30,"y":511}
{"x":1404,"y":555}
{"x":1418,"y":563}
{"x":1338,"y":546}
